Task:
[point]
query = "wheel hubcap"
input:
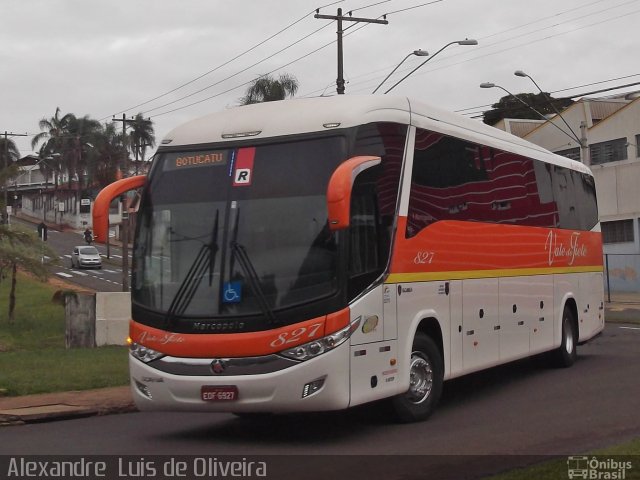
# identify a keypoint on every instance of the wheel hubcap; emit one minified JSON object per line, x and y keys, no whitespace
{"x":568,"y":337}
{"x":420,"y":378}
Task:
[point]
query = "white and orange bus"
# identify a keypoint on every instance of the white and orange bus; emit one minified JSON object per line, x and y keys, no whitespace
{"x":316,"y":254}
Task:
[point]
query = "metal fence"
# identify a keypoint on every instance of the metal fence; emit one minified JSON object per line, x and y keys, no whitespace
{"x":622,"y":278}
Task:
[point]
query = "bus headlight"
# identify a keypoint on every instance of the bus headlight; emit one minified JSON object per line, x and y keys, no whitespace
{"x":319,"y":346}
{"x":144,"y":354}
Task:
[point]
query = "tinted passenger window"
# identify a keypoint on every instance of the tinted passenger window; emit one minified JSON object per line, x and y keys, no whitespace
{"x":453,"y":179}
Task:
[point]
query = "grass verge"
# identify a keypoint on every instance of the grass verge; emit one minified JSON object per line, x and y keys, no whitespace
{"x":558,"y":469}
{"x":33,"y":358}
{"x":58,"y":370}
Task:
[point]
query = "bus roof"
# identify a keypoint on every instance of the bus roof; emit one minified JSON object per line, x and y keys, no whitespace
{"x":307,"y":115}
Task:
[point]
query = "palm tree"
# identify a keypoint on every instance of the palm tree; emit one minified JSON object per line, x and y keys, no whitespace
{"x":8,"y":148}
{"x":142,"y":136}
{"x":81,"y":132}
{"x":53,"y":132}
{"x":268,"y":89}
{"x":105,"y":157}
{"x":53,"y":136}
{"x":9,"y":154}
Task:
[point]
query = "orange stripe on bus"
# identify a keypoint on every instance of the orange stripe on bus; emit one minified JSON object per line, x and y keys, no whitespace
{"x":252,"y":344}
{"x":454,"y":246}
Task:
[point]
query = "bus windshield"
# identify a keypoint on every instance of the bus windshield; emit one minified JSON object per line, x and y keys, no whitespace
{"x":237,"y":231}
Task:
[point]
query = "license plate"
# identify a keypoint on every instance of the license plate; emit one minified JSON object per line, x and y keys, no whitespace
{"x":223,"y":393}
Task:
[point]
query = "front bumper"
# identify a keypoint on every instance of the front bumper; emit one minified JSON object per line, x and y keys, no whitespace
{"x":278,"y":391}
{"x":90,"y":263}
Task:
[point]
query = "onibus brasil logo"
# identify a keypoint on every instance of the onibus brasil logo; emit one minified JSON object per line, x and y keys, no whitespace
{"x":597,"y":469}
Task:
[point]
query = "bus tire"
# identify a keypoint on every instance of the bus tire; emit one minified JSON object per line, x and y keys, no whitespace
{"x":567,"y":353}
{"x":426,"y":373}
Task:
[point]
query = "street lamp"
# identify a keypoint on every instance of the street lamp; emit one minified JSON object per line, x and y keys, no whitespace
{"x":542,"y":116}
{"x":51,"y":157}
{"x":493,"y":85}
{"x":520,"y":73}
{"x":466,"y":41}
{"x":417,"y":53}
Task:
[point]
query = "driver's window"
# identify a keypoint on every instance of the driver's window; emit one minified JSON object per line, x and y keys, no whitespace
{"x":367,"y":252}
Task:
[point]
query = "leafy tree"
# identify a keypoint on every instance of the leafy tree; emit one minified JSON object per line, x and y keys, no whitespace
{"x":20,"y":250}
{"x":510,"y":107}
{"x":268,"y":89}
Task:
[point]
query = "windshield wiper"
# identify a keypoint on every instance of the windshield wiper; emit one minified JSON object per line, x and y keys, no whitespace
{"x":240,"y":252}
{"x":205,"y":260}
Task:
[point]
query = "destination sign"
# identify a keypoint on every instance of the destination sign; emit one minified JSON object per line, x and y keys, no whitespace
{"x":179,"y":161}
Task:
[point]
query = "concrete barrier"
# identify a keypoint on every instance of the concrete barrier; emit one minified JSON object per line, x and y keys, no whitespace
{"x":113,"y":312}
{"x":80,"y":325}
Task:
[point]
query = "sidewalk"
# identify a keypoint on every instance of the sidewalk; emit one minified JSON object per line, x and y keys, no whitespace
{"x":64,"y":405}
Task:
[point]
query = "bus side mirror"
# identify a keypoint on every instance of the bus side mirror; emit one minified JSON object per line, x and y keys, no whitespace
{"x":340,"y":186}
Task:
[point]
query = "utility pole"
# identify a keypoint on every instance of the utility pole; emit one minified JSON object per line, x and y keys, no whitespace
{"x":340,"y":18}
{"x":125,"y":202}
{"x":125,"y":208}
{"x":584,"y":145}
{"x":5,"y":187}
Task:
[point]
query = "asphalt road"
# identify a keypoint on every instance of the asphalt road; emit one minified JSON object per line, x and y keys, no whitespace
{"x":107,"y":279}
{"x":510,"y":415}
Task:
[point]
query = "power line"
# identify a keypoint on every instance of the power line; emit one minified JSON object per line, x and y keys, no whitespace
{"x":257,"y":63}
{"x":415,"y":6}
{"x":483,"y":47}
{"x":583,"y":94}
{"x":223,"y":64}
{"x":268,"y":73}
{"x":237,"y":73}
{"x":272,"y":71}
{"x":581,"y":7}
{"x":366,"y":6}
{"x":626,"y":14}
{"x":326,"y":45}
{"x":560,"y":90}
{"x":245,"y":83}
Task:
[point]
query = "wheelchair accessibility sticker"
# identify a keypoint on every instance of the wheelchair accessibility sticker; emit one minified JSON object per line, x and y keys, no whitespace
{"x":232,"y":292}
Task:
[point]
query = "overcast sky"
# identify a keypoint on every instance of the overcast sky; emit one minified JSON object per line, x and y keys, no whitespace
{"x":105,"y":58}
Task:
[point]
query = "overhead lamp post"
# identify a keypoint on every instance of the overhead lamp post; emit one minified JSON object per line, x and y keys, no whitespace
{"x":520,"y":73}
{"x":542,"y":115}
{"x":417,"y":53}
{"x":51,"y":158}
{"x":493,"y":85}
{"x":466,"y":41}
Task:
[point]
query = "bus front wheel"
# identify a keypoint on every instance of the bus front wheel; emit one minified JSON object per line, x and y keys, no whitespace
{"x":426,"y":374}
{"x":566,"y":354}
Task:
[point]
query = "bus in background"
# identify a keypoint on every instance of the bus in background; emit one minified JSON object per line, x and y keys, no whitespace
{"x":317,"y":254}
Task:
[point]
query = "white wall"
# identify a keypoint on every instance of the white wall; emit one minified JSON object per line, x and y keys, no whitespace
{"x":113,"y":313}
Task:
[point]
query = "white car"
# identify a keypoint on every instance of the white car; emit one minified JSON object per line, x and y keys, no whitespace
{"x":85,"y":257}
